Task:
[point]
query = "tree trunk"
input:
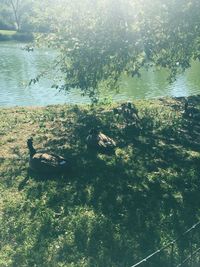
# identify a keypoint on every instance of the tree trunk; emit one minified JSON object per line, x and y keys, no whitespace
{"x":15,"y":8}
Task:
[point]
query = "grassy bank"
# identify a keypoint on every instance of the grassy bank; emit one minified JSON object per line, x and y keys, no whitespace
{"x":8,"y":35}
{"x":109,"y":210}
{"x":7,"y":32}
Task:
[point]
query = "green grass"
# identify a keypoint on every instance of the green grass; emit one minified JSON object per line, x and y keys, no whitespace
{"x":108,"y":210}
{"x":7,"y":32}
{"x":7,"y":35}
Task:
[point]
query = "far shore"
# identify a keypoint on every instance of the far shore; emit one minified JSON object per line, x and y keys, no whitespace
{"x":11,"y":35}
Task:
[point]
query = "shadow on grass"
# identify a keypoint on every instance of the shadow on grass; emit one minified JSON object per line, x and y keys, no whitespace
{"x":117,"y":208}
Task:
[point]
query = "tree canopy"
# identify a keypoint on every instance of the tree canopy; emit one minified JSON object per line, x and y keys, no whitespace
{"x":99,"y":40}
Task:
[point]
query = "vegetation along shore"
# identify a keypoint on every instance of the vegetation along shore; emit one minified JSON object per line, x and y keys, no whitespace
{"x":107,"y":209}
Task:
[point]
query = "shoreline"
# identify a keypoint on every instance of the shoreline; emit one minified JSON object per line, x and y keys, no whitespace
{"x":10,"y":36}
{"x":192,"y":98}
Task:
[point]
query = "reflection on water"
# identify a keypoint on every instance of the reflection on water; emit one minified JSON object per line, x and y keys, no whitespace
{"x":18,"y":67}
{"x":153,"y":83}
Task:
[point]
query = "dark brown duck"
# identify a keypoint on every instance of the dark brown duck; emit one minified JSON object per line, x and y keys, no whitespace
{"x":99,"y":141}
{"x":43,"y":162}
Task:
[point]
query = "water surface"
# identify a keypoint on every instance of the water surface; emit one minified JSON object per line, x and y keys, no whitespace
{"x":18,"y":67}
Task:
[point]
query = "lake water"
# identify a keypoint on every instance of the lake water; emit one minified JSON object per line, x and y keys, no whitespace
{"x":18,"y":67}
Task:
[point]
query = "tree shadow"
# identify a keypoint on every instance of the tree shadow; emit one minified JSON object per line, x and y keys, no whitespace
{"x":143,"y":191}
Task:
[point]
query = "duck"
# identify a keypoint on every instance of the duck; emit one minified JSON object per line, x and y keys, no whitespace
{"x":190,"y":111}
{"x":27,"y":48}
{"x":43,"y":162}
{"x":129,"y":113}
{"x":99,"y":141}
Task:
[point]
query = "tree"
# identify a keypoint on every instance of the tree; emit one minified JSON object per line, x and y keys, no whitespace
{"x":15,"y":5}
{"x":17,"y":12}
{"x":103,"y":39}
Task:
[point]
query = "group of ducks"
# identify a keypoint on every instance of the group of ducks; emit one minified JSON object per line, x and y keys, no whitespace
{"x":43,"y":162}
{"x":27,"y":48}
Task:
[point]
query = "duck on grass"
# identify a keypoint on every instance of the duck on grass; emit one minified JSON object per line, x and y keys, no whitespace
{"x":43,"y":162}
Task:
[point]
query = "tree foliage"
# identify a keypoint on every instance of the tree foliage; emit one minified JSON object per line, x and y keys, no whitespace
{"x":101,"y":40}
